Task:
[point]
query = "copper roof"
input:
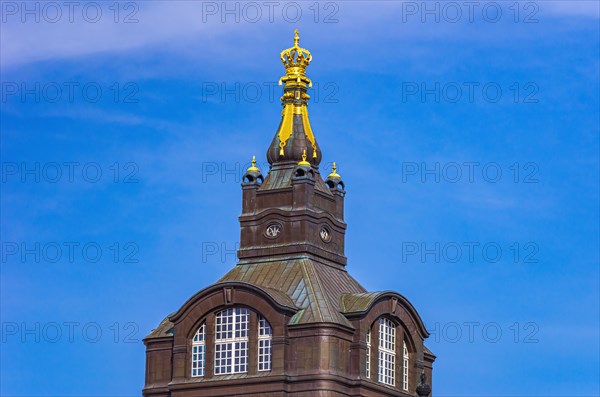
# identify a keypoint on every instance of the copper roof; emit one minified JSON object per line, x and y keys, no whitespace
{"x":280,"y":177}
{"x":352,"y":303}
{"x":314,"y":288}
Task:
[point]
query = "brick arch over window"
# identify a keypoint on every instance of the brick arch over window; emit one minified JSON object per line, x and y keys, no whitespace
{"x":202,"y":308}
{"x":409,"y":327}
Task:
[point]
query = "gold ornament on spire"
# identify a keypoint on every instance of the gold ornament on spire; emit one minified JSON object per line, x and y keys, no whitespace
{"x":294,"y":99}
{"x":304,"y":162}
{"x":334,"y":174}
{"x":253,"y":168}
{"x":295,"y":59}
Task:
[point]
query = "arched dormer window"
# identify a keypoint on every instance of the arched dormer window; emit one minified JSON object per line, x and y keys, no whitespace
{"x":387,"y":352}
{"x":231,"y":341}
{"x":199,"y":352}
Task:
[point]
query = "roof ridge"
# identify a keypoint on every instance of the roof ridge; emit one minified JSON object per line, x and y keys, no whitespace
{"x":333,"y":312}
{"x":309,"y":285}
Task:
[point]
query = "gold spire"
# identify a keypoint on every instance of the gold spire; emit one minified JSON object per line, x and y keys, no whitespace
{"x":253,"y":168}
{"x":304,"y":162}
{"x":334,"y":174}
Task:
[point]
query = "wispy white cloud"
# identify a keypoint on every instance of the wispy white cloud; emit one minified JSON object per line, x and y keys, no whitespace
{"x":163,"y":24}
{"x":157,"y":22}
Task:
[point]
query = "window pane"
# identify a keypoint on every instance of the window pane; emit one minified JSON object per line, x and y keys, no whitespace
{"x":387,"y":352}
{"x":368,"y":363}
{"x":199,"y":352}
{"x":231,"y":341}
{"x":405,"y":367}
{"x":265,"y":335}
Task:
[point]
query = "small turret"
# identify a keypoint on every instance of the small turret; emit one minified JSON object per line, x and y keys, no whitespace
{"x":334,"y":180}
{"x":251,"y":181}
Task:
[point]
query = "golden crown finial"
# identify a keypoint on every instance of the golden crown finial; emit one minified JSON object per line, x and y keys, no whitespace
{"x":295,"y":100}
{"x":304,"y":162}
{"x":295,"y":59}
{"x":253,"y":168}
{"x":334,"y":174}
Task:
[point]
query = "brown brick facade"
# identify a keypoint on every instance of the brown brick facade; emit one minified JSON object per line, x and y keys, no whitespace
{"x":292,"y":272}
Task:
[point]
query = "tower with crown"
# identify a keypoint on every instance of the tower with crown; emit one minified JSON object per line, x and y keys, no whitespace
{"x":288,"y":319}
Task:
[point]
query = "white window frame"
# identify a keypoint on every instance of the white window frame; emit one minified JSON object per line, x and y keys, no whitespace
{"x":368,"y":363}
{"x":387,"y":352}
{"x":232,"y":327}
{"x":199,"y":352}
{"x":265,"y":345}
{"x":404,"y":367}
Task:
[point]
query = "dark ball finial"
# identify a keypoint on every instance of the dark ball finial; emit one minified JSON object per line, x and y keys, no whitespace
{"x":423,"y":389}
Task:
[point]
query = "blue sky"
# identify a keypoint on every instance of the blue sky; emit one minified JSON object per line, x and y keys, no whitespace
{"x":124,"y":144}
